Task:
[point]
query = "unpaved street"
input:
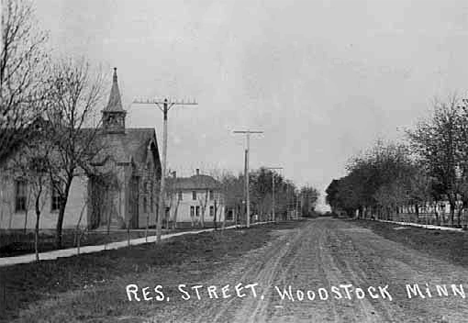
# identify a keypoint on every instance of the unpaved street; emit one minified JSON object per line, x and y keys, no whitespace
{"x":321,"y":259}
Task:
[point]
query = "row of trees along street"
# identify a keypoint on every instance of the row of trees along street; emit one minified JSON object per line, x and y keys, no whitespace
{"x":289,"y":200}
{"x":413,"y":180}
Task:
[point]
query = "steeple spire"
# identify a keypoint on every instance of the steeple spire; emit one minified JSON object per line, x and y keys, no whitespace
{"x":113,"y":116}
{"x":115,"y":103}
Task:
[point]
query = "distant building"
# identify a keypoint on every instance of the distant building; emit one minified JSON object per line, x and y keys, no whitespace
{"x":191,"y":200}
{"x":130,"y":158}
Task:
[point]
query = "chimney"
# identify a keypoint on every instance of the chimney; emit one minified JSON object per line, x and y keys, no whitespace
{"x":198,"y":171}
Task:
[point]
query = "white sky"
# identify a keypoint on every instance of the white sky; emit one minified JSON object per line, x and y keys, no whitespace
{"x":322,"y":79}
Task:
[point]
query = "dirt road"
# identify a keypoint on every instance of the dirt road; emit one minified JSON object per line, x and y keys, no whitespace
{"x":305,"y":275}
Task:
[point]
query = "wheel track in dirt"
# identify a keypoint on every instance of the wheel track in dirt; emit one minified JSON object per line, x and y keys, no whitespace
{"x":324,"y":253}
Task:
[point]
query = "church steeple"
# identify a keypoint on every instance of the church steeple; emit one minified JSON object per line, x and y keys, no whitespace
{"x":113,"y":116}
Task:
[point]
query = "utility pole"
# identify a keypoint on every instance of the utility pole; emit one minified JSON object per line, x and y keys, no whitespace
{"x":273,"y":189}
{"x":297,"y":205}
{"x":247,"y":152}
{"x":164,"y":106}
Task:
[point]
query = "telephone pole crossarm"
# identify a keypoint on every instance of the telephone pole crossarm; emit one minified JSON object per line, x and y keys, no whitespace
{"x":163,"y":105}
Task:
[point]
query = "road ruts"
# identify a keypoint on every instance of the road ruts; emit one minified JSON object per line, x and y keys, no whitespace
{"x":324,"y":253}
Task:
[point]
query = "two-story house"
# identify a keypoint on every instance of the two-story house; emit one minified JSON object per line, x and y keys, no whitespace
{"x":194,"y":201}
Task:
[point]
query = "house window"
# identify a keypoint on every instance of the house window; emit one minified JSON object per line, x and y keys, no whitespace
{"x":55,"y":203}
{"x":197,"y":211}
{"x":168,"y":209}
{"x":211,"y":195}
{"x":194,"y":195}
{"x":192,"y":211}
{"x":20,"y":201}
{"x":180,"y":196}
{"x":229,"y":216}
{"x":211,"y":210}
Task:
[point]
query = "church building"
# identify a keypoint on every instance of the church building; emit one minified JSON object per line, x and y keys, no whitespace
{"x":120,"y":195}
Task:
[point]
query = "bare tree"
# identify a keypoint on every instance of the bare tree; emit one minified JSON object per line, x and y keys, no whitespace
{"x":22,"y":71}
{"x":173,"y":197}
{"x":228,"y":195}
{"x":75,"y":93}
{"x":439,"y":146}
{"x":203,"y":201}
{"x":32,"y":164}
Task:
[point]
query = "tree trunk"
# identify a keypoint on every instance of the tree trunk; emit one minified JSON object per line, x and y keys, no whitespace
{"x":460,"y":209}
{"x":108,"y":204}
{"x":78,"y":231}
{"x":36,"y":229}
{"x":203,"y":209}
{"x":436,"y":215}
{"x":452,"y":212}
{"x":147,"y":227}
{"x":215,"y":212}
{"x":224,"y":220}
{"x":235,"y":215}
{"x":128,"y":232}
{"x":61,"y":214}
{"x":25,"y":219}
{"x":176,"y":210}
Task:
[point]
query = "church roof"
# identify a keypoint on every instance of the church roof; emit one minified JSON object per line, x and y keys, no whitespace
{"x":132,"y":145}
{"x":115,"y":102}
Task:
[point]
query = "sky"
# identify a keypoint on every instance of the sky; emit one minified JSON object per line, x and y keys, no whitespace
{"x":323,"y":79}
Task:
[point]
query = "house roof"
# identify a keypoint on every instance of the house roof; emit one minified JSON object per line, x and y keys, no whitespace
{"x":193,"y":182}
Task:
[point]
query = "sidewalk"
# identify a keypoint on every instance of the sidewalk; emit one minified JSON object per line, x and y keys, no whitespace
{"x":51,"y":255}
{"x":425,"y":226}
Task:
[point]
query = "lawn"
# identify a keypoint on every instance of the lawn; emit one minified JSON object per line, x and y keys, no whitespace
{"x":17,"y":242}
{"x":91,"y":287}
{"x":446,"y":245}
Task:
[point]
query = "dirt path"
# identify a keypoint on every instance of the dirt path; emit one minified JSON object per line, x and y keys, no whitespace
{"x":319,"y":261}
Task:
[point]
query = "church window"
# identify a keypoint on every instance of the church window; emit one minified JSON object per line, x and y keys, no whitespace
{"x":20,"y":200}
{"x":55,"y":202}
